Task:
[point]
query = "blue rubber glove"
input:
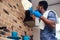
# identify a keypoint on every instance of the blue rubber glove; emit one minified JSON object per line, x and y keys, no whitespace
{"x":31,"y":10}
{"x":35,"y":12}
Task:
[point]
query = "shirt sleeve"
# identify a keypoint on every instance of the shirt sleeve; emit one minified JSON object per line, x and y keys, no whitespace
{"x":52,"y":16}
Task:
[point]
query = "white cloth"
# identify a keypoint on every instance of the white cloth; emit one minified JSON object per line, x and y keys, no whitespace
{"x":36,"y":21}
{"x":26,"y":4}
{"x":41,"y":24}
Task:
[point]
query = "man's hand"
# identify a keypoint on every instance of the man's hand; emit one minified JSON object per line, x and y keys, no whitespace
{"x":35,"y":12}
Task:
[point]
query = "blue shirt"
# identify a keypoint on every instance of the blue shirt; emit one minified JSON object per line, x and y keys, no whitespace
{"x":49,"y":33}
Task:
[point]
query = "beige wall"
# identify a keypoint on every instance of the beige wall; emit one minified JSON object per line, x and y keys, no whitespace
{"x":36,"y":34}
{"x":35,"y":2}
{"x":52,"y":1}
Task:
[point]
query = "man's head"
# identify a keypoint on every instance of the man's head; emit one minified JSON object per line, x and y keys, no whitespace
{"x":42,"y":5}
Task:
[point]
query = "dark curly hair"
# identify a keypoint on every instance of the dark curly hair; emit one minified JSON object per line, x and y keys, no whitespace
{"x":44,"y":4}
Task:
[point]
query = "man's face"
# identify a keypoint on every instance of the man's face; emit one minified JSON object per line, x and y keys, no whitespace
{"x":39,"y":8}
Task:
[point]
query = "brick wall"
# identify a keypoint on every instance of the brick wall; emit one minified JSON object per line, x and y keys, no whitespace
{"x":12,"y":16}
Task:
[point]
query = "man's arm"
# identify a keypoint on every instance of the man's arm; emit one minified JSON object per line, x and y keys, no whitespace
{"x":51,"y":21}
{"x":45,"y":20}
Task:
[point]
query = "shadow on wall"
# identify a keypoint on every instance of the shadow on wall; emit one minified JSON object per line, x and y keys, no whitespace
{"x":28,"y":19}
{"x":28,"y":16}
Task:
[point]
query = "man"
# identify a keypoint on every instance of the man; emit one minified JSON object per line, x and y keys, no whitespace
{"x":49,"y":31}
